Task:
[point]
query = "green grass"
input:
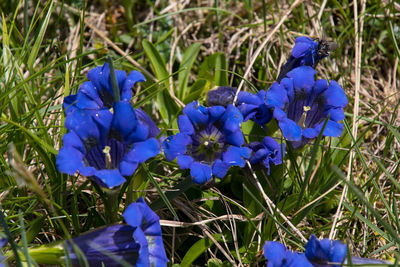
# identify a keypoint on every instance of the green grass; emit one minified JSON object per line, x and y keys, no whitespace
{"x":47,"y":48}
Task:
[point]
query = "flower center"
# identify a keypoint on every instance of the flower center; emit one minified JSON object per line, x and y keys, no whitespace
{"x":208,"y":144}
{"x":107,"y":156}
{"x":303,"y":117}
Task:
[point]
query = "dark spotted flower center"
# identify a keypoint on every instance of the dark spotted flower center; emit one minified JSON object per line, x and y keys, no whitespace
{"x":107,"y":156}
{"x":208,"y":144}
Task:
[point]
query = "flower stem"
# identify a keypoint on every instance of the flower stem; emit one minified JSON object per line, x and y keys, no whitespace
{"x":114,"y":82}
{"x":111,"y":205}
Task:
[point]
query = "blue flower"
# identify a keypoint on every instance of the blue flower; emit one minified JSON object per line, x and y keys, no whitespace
{"x":105,"y":145}
{"x":278,"y":256}
{"x":139,"y":243}
{"x":222,"y":96}
{"x":320,"y":252}
{"x":254,"y":107}
{"x":306,"y":52}
{"x":97,"y":93}
{"x":301,"y":106}
{"x":209,"y":143}
{"x":267,"y":152}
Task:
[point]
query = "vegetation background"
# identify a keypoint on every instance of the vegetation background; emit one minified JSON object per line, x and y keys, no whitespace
{"x":345,"y":188}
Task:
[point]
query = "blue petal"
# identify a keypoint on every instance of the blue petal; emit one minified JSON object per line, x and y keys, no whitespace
{"x":274,"y":252}
{"x":88,"y":97}
{"x":140,"y":134}
{"x":82,"y":124}
{"x":249,"y":98}
{"x":310,"y":133}
{"x":71,"y":139}
{"x":175,"y":145}
{"x":142,"y":151}
{"x":234,"y":155}
{"x":332,"y":128}
{"x":116,"y":240}
{"x":223,"y":95}
{"x":127,"y":168}
{"x":232,"y":119}
{"x":301,"y":48}
{"x":291,"y":131}
{"x":215,"y":113}
{"x":277,"y":96}
{"x":124,"y":119}
{"x":129,"y":82}
{"x":235,"y":138}
{"x":335,"y":95}
{"x":320,"y":86}
{"x":220,"y":168}
{"x":200,"y":172}
{"x":144,"y":118}
{"x":303,"y":77}
{"x":336,"y":114}
{"x":69,"y":104}
{"x":185,"y":125}
{"x":69,"y":160}
{"x":279,"y":114}
{"x":111,"y":178}
{"x":99,"y":76}
{"x":197,"y":114}
{"x":184,"y":161}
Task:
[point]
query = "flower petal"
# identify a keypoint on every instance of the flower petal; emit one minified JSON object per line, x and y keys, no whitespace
{"x":127,"y":168}
{"x":220,"y":168}
{"x":110,"y":178}
{"x":277,"y":96}
{"x":291,"y":131}
{"x":132,"y":78}
{"x":196,"y":114}
{"x":144,"y":118}
{"x":124,"y":119}
{"x":232,"y":119}
{"x":335,"y":95}
{"x":303,"y":77}
{"x":184,"y":161}
{"x":185,"y":125}
{"x":69,"y":160}
{"x":142,"y":151}
{"x":200,"y":172}
{"x":332,"y":128}
{"x":235,"y":138}
{"x":175,"y":145}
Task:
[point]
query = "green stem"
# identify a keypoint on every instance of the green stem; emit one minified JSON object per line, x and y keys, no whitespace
{"x":112,"y":206}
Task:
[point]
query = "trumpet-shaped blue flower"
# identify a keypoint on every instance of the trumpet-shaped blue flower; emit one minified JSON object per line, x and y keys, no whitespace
{"x":254,"y":107}
{"x":301,"y":106}
{"x":278,"y":256}
{"x":320,"y":252}
{"x":209,"y":143}
{"x":139,"y":243}
{"x":267,"y":152}
{"x":105,"y":145}
{"x":306,"y":52}
{"x":97,"y":93}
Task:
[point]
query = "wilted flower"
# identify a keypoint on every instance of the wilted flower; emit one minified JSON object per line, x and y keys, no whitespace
{"x":139,"y":243}
{"x":97,"y":93}
{"x":209,"y":143}
{"x":222,"y":96}
{"x":105,"y":145}
{"x":267,"y":152}
{"x":301,"y":106}
{"x":306,"y":52}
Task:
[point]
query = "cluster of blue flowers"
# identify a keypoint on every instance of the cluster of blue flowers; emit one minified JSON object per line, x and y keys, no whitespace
{"x":319,"y":253}
{"x":107,"y":139}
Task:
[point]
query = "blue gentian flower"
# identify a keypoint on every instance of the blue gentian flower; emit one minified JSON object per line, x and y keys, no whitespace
{"x":139,"y":243}
{"x":254,"y":107}
{"x":306,"y":52}
{"x":209,"y":143}
{"x":97,"y":93}
{"x":267,"y":152}
{"x":278,"y":256}
{"x":301,"y":106}
{"x":222,"y":96}
{"x":320,"y":252}
{"x":105,"y":145}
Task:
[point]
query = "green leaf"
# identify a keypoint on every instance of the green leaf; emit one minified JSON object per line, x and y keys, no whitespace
{"x":188,"y":59}
{"x":167,"y":106}
{"x":195,"y":91}
{"x":221,"y":74}
{"x":197,"y":249}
